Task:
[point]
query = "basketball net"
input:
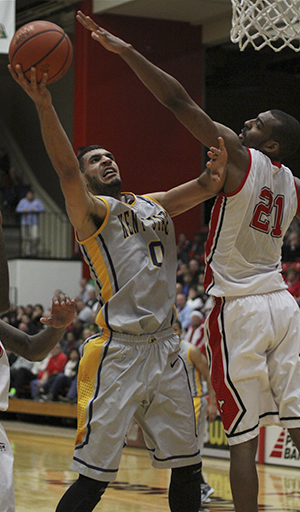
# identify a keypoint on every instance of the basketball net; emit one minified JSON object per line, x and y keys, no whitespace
{"x":266,"y":23}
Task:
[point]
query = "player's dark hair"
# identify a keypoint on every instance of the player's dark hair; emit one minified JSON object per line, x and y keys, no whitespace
{"x":286,"y":132}
{"x":83,"y":151}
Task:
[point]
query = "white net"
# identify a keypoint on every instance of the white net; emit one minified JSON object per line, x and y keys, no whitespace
{"x":266,"y":23}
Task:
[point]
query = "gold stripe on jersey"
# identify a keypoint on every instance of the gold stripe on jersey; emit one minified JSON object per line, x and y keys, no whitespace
{"x":87,"y":373}
{"x":97,"y":262}
{"x":197,"y":407}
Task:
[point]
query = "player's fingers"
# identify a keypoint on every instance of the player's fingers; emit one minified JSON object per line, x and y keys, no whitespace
{"x":221,"y":143}
{"x":44,"y":79}
{"x":45,"y":320}
{"x":19,"y":71}
{"x":12,"y":71}
{"x":33,"y":80}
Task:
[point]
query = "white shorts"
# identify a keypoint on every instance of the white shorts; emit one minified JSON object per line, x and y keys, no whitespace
{"x":121,"y":377}
{"x":253,"y":346}
{"x":7,"y":496}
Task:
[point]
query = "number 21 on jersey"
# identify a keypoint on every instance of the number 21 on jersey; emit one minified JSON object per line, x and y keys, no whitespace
{"x":263,"y":211}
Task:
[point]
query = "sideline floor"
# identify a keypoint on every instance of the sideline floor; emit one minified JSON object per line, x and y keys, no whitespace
{"x":43,"y":454}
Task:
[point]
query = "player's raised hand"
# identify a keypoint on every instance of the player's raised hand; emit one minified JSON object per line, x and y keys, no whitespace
{"x":62,"y":312}
{"x":109,"y":41}
{"x":218,"y":161}
{"x":38,"y":92}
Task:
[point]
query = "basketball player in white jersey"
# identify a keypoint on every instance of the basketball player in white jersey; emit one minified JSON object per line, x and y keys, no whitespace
{"x":131,"y":368}
{"x":34,"y":348}
{"x":253,"y":330}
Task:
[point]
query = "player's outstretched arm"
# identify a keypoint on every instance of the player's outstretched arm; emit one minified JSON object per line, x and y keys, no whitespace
{"x":79,"y":202}
{"x":36,"y":347}
{"x":184,"y":197}
{"x":163,"y":86}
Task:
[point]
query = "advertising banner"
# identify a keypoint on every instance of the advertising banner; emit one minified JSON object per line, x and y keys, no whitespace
{"x":279,"y":448}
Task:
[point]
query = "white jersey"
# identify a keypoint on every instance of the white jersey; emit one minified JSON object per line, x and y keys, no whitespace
{"x":4,"y":378}
{"x":132,"y":259}
{"x":243,"y":249}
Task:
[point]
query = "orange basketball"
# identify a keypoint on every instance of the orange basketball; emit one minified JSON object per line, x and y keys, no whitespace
{"x":43,"y":45}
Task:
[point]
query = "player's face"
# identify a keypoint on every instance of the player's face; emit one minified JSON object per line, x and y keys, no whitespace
{"x":257,"y":132}
{"x":102,"y":173}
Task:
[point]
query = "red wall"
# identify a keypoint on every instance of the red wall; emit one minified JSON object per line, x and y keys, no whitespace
{"x":114,"y":109}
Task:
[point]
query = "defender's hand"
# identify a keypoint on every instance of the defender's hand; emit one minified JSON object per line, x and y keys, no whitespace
{"x":62,"y":312}
{"x":109,"y":41}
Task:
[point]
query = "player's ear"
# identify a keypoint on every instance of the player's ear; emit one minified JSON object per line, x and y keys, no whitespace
{"x":271,"y":147}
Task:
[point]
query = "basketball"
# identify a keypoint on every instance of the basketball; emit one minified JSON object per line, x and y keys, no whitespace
{"x":43,"y":45}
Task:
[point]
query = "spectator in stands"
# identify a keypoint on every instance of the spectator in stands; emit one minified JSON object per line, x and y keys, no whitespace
{"x":182,"y":248}
{"x":71,"y":396}
{"x":194,"y":270}
{"x":195,"y":331}
{"x":29,"y":310}
{"x":32,"y":328}
{"x":92,"y":301}
{"x":18,"y":370}
{"x":84,"y":312}
{"x":197,"y":245}
{"x":187,"y":283}
{"x":20,"y":381}
{"x":88,"y":332}
{"x":179,"y":288}
{"x":77,"y":327}
{"x":30,"y":208}
{"x":194,"y":300}
{"x":20,"y":311}
{"x":37,"y":314}
{"x":200,"y":284}
{"x":10,"y":317}
{"x":291,"y":247}
{"x":85,"y":287}
{"x":56,"y":364}
{"x":62,"y":382}
{"x":181,"y":271}
{"x":183,"y":311}
{"x":292,"y":280}
{"x":69,"y":342}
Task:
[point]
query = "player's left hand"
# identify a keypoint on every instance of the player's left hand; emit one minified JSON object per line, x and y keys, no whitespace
{"x":218,"y":161}
{"x":109,"y":41}
{"x":62,"y":312}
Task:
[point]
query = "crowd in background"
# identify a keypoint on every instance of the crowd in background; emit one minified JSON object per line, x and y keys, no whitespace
{"x":55,"y":378}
